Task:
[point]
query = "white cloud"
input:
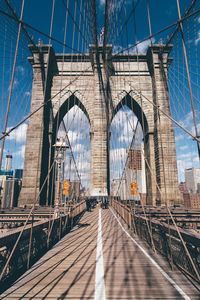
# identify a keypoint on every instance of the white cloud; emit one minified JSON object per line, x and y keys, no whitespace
{"x":84,"y":166}
{"x":20,"y":69}
{"x":116,"y":6}
{"x":15,"y":83}
{"x":143,"y":46}
{"x":118,"y":156}
{"x":78,"y":148}
{"x":102,"y":2}
{"x":186,"y":151}
{"x":19,"y":134}
{"x":124,"y":116}
{"x":74,"y":137}
{"x":70,"y":116}
{"x":182,"y":148}
{"x":179,"y":137}
{"x":193,"y":128}
{"x":197,"y":40}
{"x":188,"y":155}
{"x":117,"y":49}
{"x":77,"y":127}
{"x":27,"y":93}
{"x":188,"y":122}
{"x":122,"y":129}
{"x":20,"y":152}
{"x":74,"y":117}
{"x":85,"y":177}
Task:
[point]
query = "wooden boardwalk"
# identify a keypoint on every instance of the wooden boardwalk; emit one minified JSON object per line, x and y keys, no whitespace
{"x":68,"y":270}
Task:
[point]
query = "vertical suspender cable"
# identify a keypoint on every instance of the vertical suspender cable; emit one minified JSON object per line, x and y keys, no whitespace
{"x":11,"y":84}
{"x":20,"y":21}
{"x":188,"y":77}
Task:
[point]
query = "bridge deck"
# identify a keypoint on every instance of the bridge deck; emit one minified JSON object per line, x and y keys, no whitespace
{"x":68,"y":270}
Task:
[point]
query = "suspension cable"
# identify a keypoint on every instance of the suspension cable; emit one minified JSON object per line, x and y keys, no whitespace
{"x":11,"y":84}
{"x":188,"y":77}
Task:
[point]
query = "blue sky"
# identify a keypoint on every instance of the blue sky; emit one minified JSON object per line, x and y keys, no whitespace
{"x":38,"y":14}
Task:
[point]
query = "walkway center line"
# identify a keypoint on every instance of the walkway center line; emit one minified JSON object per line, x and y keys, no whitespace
{"x":99,"y":276}
{"x":173,"y":283}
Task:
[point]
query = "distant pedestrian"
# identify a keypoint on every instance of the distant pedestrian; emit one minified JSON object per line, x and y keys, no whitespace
{"x":88,"y":206}
{"x":106,"y":203}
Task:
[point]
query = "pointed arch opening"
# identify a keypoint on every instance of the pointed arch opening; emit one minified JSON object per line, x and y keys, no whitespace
{"x":129,"y":151}
{"x":71,"y":125}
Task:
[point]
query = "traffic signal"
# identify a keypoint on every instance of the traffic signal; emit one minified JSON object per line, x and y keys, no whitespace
{"x":66,"y":186}
{"x":133,"y":186}
{"x":133,"y":192}
{"x":65,"y":192}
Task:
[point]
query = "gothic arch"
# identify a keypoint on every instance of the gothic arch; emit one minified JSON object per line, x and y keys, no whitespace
{"x":124,"y":84}
{"x":131,"y":103}
{"x":64,"y":109}
{"x":66,"y":102}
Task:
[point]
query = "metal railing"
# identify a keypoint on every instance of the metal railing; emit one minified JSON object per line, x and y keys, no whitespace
{"x":165,"y":239}
{"x":44,"y":233}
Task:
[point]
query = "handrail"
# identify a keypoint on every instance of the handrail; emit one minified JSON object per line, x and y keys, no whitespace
{"x":167,"y":245}
{"x":18,"y":262}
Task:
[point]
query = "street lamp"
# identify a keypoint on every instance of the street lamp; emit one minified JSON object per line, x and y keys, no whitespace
{"x":60,"y":156}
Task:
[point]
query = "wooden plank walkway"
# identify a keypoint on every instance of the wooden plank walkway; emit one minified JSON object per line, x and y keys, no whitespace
{"x":68,"y":270}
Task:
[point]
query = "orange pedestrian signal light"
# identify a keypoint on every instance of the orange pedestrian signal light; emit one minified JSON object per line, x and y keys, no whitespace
{"x":133,"y":192}
{"x":65,"y":192}
{"x":133,"y":185}
{"x":66,"y":185}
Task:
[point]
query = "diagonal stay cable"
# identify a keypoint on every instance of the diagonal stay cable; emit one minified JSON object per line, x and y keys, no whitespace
{"x":11,"y":83}
{"x":42,"y":105}
{"x":164,"y":113}
{"x":72,"y":154}
{"x":39,"y":31}
{"x":127,"y":19}
{"x":18,"y":20}
{"x":22,"y":230}
{"x":178,"y":26}
{"x":73,"y":19}
{"x":158,"y":32}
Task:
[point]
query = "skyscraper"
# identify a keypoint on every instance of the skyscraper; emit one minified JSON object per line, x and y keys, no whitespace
{"x":192,"y":179}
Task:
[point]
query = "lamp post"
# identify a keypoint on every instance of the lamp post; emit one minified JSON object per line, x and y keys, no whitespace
{"x":60,"y":155}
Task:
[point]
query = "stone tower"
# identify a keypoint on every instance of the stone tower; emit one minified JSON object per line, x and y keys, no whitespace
{"x":100,"y":83}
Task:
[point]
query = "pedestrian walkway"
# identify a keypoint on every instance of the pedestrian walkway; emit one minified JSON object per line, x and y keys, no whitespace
{"x":98,"y":259}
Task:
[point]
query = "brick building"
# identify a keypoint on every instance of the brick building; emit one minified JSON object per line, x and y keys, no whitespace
{"x":182,"y":187}
{"x":191,"y":200}
{"x":135,"y":158}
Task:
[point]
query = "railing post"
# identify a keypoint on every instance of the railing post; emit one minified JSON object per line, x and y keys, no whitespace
{"x":130,"y":221}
